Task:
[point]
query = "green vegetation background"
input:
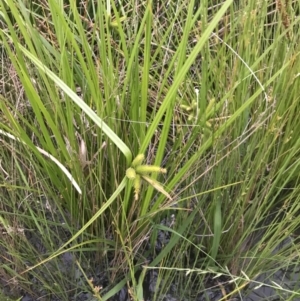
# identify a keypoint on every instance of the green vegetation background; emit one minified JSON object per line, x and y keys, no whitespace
{"x":117,"y":116}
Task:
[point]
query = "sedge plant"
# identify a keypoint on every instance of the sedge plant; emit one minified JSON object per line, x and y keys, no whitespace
{"x":174,"y":112}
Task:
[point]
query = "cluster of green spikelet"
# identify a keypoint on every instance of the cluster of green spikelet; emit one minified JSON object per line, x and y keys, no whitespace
{"x":137,"y":171}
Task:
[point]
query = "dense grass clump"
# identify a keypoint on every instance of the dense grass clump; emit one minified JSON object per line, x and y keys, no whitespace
{"x":148,"y":142}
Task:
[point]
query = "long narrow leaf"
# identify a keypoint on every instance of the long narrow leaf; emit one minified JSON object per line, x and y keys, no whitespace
{"x":97,"y":120}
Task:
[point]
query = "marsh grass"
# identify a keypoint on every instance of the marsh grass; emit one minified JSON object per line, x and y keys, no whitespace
{"x":207,"y":91}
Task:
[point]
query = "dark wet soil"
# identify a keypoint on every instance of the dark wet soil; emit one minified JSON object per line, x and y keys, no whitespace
{"x":42,"y":281}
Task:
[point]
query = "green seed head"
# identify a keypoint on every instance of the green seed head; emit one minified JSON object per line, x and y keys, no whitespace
{"x":145,"y":169}
{"x":138,"y":160}
{"x":137,"y":186}
{"x":130,"y":173}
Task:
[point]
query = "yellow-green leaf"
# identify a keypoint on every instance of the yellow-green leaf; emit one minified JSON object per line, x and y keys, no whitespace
{"x":157,"y":186}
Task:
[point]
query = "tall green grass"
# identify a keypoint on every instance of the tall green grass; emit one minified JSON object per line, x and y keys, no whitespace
{"x":208,"y":91}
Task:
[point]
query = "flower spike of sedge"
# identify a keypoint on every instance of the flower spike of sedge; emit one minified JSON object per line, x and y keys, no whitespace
{"x":138,"y":160}
{"x":145,"y":169}
{"x":137,"y":172}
